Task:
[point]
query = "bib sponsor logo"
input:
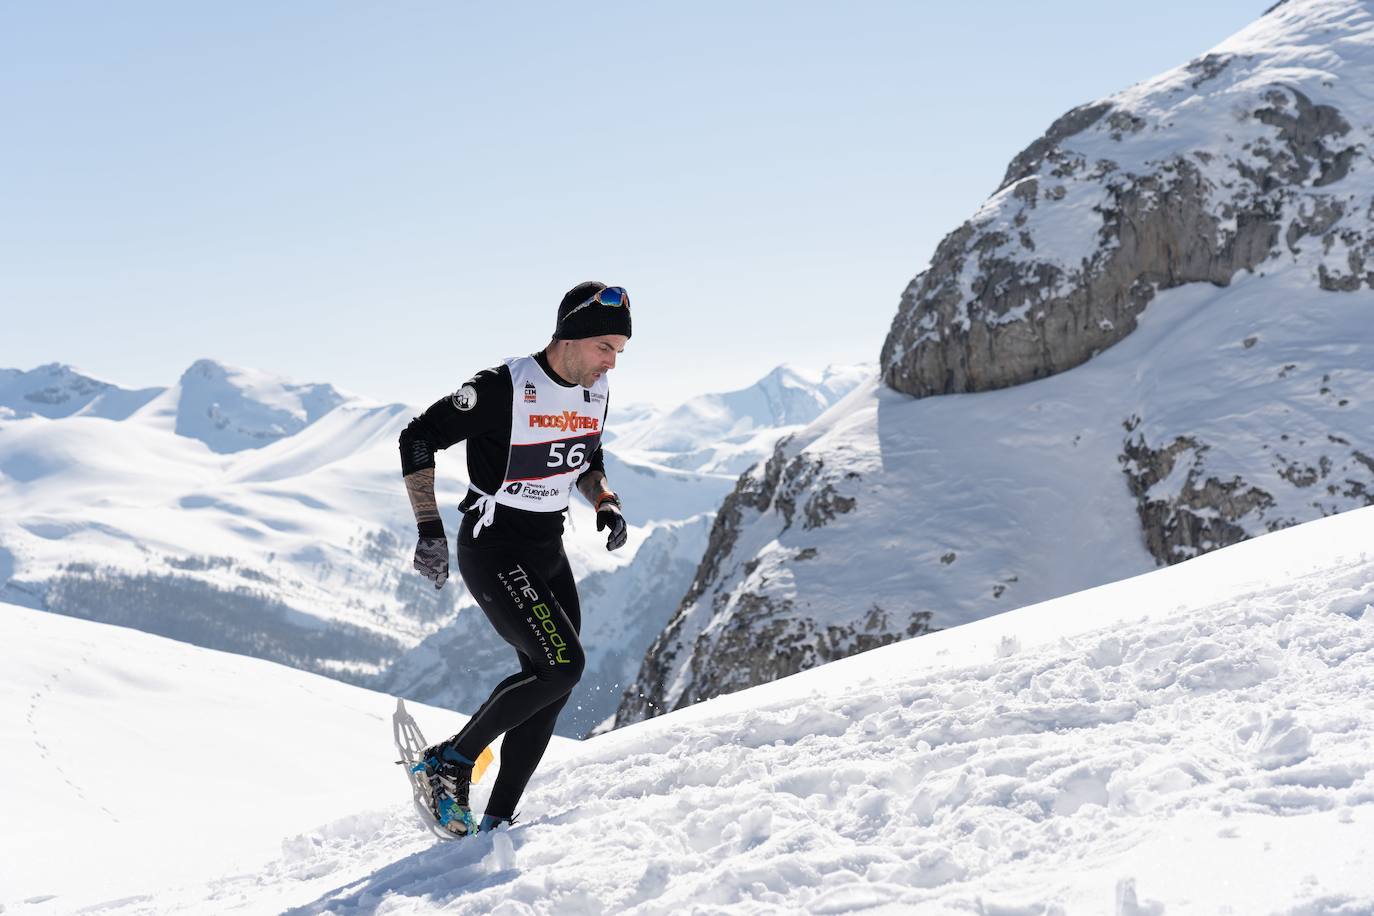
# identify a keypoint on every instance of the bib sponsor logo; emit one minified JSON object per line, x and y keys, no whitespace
{"x":568,"y":421}
{"x":531,"y":393}
{"x":530,"y":490}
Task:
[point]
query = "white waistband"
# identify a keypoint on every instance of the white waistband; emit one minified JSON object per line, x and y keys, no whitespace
{"x":486,"y":504}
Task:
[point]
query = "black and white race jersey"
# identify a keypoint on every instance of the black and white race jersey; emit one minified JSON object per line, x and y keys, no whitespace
{"x":530,"y":435}
{"x":554,"y":431}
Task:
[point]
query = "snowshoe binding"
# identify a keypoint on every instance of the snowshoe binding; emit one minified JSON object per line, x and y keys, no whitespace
{"x":444,"y":777}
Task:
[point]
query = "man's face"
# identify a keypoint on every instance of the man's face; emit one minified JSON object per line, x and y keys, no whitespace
{"x":592,"y":357}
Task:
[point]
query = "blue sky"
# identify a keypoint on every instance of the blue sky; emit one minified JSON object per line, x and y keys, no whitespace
{"x":390,"y":196}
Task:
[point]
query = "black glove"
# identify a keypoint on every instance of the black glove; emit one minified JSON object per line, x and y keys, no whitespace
{"x":608,"y":516}
{"x":431,"y":559}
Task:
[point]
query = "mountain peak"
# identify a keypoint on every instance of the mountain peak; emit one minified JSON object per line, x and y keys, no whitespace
{"x":1246,"y":159}
{"x":698,"y":428}
{"x":231,"y":409}
{"x":56,"y":390}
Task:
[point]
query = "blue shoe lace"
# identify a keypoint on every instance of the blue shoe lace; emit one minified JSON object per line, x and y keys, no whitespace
{"x":448,"y":786}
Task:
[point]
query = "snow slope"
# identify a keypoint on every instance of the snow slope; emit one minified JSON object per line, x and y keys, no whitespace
{"x":1199,"y":739}
{"x":964,"y":505}
{"x":235,"y":409}
{"x":132,"y":761}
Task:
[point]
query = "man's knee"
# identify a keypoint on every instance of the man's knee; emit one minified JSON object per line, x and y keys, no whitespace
{"x":560,"y":645}
{"x":569,"y":665}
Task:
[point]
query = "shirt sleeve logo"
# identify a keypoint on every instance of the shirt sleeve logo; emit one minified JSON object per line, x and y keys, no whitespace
{"x":465,"y":398}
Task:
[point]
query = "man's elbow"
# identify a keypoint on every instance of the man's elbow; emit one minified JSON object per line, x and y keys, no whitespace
{"x":417,"y":452}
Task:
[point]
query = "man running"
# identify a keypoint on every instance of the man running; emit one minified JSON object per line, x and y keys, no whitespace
{"x":533,"y":428}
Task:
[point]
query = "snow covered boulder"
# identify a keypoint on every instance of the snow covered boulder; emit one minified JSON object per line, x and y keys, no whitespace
{"x":1246,"y":159}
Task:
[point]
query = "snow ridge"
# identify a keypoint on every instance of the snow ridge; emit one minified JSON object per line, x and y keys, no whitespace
{"x":1192,"y":740}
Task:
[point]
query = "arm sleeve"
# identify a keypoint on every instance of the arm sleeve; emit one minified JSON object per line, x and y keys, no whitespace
{"x":598,"y":460}
{"x":479,"y":406}
{"x":596,"y":463}
{"x":474,"y":408}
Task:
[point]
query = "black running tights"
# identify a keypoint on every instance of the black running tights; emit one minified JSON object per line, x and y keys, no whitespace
{"x":529,"y":595}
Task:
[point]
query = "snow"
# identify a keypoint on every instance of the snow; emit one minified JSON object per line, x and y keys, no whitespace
{"x":133,"y":761}
{"x":57,"y":390}
{"x":1024,"y":486}
{"x":1203,"y":114}
{"x":312,"y":530}
{"x":1197,"y":739}
{"x":232,"y":409}
{"x":723,"y":434}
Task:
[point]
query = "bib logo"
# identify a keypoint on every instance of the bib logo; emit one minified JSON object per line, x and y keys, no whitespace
{"x":567,"y":421}
{"x":528,"y":489}
{"x":530,"y":393}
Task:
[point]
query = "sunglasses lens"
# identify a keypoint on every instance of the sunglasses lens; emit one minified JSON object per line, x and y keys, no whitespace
{"x":613,"y":295}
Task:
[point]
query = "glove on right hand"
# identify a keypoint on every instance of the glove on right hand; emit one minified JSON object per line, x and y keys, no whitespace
{"x":608,"y":516}
{"x":431,"y":559}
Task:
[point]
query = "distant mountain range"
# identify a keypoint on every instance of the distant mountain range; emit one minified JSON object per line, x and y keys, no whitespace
{"x":228,"y":409}
{"x":239,"y":510}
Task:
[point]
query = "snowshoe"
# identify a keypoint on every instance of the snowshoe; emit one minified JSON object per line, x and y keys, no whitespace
{"x":444,"y":782}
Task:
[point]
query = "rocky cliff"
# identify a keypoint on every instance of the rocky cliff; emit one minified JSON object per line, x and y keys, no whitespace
{"x":1199,"y":251}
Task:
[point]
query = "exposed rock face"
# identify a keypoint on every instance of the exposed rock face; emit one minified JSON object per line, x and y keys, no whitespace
{"x":732,"y":629}
{"x":1202,"y":515}
{"x":1187,"y":508}
{"x":1107,"y":208}
{"x":1228,"y":164}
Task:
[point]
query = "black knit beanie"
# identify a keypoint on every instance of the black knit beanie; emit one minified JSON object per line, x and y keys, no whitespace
{"x":592,"y":321}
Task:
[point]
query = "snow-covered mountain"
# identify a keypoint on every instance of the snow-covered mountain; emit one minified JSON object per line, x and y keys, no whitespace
{"x":242,"y":511}
{"x":231,"y":409}
{"x":284,"y":551}
{"x":1155,"y":339}
{"x":1195,"y":740}
{"x":55,"y":391}
{"x":726,"y":433}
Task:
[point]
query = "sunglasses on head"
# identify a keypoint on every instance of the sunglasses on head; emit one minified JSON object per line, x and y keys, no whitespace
{"x":614,"y":296}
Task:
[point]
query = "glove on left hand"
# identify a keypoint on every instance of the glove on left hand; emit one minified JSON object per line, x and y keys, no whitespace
{"x":431,"y":559}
